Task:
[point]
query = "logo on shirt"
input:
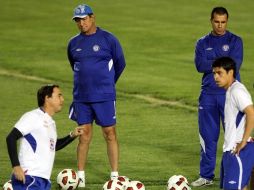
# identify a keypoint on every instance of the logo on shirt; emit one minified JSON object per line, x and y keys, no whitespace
{"x":225,"y":47}
{"x":79,"y":49}
{"x":96,"y":48}
{"x":209,"y":49}
{"x":232,"y":182}
{"x":52,"y":144}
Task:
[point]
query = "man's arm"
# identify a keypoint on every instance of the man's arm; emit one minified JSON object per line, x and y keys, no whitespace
{"x":62,"y":142}
{"x":236,"y":53}
{"x":119,"y":67}
{"x":70,"y":56}
{"x":202,"y":62}
{"x":118,"y":57}
{"x":11,"y":141}
{"x":249,"y":125}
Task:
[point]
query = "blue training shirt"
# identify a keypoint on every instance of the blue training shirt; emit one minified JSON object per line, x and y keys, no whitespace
{"x":97,"y":62}
{"x":211,"y":47}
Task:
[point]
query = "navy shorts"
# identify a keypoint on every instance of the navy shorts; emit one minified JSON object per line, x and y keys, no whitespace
{"x":32,"y":183}
{"x":103,"y":113}
{"x":236,"y":170}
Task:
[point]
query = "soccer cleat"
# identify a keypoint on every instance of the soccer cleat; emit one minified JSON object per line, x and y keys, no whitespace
{"x":113,"y":177}
{"x":201,"y":182}
{"x":82,"y":182}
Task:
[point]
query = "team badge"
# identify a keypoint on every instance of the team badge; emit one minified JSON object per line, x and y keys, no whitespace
{"x":225,"y":47}
{"x":96,"y":48}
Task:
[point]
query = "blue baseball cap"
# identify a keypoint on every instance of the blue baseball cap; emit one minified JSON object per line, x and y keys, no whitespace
{"x":82,"y":11}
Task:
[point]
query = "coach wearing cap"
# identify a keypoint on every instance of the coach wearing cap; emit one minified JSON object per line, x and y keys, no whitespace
{"x":97,"y":61}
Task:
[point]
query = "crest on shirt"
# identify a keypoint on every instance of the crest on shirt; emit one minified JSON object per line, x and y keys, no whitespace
{"x":52,"y":144}
{"x":225,"y":47}
{"x":96,"y":48}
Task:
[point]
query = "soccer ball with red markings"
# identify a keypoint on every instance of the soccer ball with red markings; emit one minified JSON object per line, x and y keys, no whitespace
{"x":136,"y":185}
{"x":67,"y":179}
{"x":124,"y":180}
{"x":178,"y":182}
{"x":180,"y":185}
{"x":174,"y":179}
{"x":8,"y":186}
{"x":114,"y":184}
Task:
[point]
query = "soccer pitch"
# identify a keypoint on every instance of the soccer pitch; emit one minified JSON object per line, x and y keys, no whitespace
{"x":156,"y":96}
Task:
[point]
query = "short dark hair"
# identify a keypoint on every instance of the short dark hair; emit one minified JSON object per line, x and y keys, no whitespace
{"x":44,"y":91}
{"x":226,"y":63}
{"x":220,"y":11}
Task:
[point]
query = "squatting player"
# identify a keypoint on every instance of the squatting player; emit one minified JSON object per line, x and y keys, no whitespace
{"x":36,"y":131}
{"x":238,"y":147}
{"x":219,"y":42}
{"x":97,"y":61}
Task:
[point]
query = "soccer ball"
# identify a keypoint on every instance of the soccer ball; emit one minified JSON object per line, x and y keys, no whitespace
{"x":124,"y":180}
{"x":136,"y":185}
{"x":174,"y":179}
{"x":8,"y":186}
{"x":180,"y":185}
{"x":67,"y":179}
{"x":114,"y":184}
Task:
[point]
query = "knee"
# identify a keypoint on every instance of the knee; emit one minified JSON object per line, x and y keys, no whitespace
{"x":110,"y":136}
{"x":85,"y":138}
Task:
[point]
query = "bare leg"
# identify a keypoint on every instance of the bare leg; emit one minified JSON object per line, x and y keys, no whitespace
{"x":83,"y":146}
{"x":109,"y":134}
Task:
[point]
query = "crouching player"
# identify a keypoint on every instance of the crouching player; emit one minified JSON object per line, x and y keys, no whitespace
{"x":238,"y":147}
{"x":36,"y":131}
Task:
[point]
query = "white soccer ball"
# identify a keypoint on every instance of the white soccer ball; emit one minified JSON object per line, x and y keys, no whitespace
{"x":124,"y":180}
{"x":67,"y":179}
{"x":136,"y":185}
{"x":8,"y":186}
{"x":180,"y":185}
{"x":114,"y":184}
{"x":174,"y":179}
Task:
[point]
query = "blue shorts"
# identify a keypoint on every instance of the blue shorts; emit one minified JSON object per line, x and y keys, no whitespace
{"x":32,"y":183}
{"x":236,"y":170}
{"x":103,"y":113}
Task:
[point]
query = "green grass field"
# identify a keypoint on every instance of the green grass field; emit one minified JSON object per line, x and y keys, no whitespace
{"x":157,"y":94}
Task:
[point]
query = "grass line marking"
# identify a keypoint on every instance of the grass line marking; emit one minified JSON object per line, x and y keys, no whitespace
{"x":147,"y":98}
{"x":14,"y":74}
{"x":160,"y":102}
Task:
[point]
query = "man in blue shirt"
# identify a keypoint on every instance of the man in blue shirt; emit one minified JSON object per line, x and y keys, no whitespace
{"x":97,"y":61}
{"x":218,"y":43}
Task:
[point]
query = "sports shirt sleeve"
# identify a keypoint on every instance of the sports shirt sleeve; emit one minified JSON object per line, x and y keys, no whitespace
{"x":11,"y":141}
{"x":241,"y":98}
{"x":69,"y":56}
{"x":203,"y":61}
{"x":236,"y":53}
{"x":21,"y":128}
{"x":118,"y":58}
{"x":26,"y":123}
{"x":62,"y":142}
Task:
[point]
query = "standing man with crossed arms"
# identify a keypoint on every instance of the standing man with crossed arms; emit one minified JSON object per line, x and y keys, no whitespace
{"x":218,"y":43}
{"x":97,"y":61}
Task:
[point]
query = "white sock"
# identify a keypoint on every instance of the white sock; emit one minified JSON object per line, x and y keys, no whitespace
{"x":81,"y":174}
{"x":114,"y":173}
